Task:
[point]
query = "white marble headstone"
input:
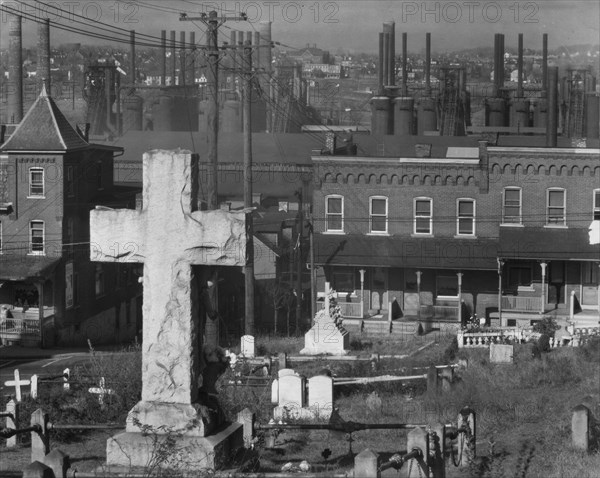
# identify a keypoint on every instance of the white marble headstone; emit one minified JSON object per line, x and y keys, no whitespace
{"x":291,"y":391}
{"x":320,"y":395}
{"x":247,"y":346}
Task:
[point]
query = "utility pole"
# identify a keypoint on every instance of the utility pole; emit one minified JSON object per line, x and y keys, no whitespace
{"x":246,"y":115}
{"x":299,"y":260}
{"x":212,"y":22}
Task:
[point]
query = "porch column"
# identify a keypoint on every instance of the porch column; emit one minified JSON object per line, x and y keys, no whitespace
{"x":419,"y":294}
{"x":543,"y":266}
{"x":459,"y":275}
{"x":500,"y":265}
{"x":40,"y":290}
{"x":362,"y":292}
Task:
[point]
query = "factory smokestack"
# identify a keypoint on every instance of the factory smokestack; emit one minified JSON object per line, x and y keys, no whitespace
{"x":428,"y":64}
{"x":173,"y":58}
{"x":15,"y":70}
{"x":389,"y":28}
{"x":191,"y":66}
{"x":520,"y":67}
{"x":552,"y":123}
{"x":380,"y":69}
{"x":499,"y":63}
{"x":182,"y":58}
{"x":544,"y":64}
{"x":264,"y":63}
{"x":404,"y":63}
{"x":43,"y":55}
{"x":163,"y":57}
{"x":132,"y":72}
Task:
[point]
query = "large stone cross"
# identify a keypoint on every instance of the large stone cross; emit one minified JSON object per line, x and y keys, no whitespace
{"x":168,"y":235}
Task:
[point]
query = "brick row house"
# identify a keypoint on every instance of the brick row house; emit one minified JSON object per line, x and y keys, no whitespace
{"x":445,"y":227}
{"x":51,"y":177}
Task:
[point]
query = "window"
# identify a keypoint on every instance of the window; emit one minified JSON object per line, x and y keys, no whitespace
{"x":378,"y":210}
{"x":343,"y":280}
{"x":519,"y":276}
{"x":447,"y":285}
{"x":0,"y":237}
{"x":511,"y":206}
{"x":555,"y":210}
{"x":596,"y":216}
{"x":465,"y":213}
{"x":334,"y":213}
{"x":99,"y":280}
{"x":36,"y":182}
{"x":70,"y":181}
{"x":36,"y":237}
{"x":423,"y":216}
{"x":70,"y":236}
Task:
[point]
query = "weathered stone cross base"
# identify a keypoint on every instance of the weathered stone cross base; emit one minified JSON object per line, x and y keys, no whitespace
{"x":171,"y":451}
{"x":326,"y":338}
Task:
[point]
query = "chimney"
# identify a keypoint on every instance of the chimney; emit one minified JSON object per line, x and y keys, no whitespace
{"x":15,"y":70}
{"x":404,"y":63}
{"x":390,"y":29}
{"x":427,"y":64}
{"x":544,"y":64}
{"x":132,"y":57}
{"x":163,"y":57}
{"x":552,"y":123}
{"x":380,"y":69}
{"x":191,"y":66}
{"x":386,"y":58}
{"x":264,"y":63}
{"x":173,"y":55}
{"x":520,"y":67}
{"x":182,"y":58}
{"x":43,"y":61}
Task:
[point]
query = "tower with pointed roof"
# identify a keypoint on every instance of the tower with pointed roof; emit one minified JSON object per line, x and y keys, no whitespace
{"x":50,"y":177}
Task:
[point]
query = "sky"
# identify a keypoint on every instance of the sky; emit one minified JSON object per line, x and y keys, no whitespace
{"x":343,"y":24}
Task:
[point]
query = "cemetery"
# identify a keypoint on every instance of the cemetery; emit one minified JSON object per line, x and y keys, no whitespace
{"x":474,"y":403}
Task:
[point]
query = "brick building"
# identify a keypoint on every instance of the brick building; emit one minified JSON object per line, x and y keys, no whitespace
{"x":51,"y":178}
{"x":435,"y":224}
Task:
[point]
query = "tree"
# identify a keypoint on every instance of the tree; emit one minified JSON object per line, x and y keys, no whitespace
{"x":279,"y":294}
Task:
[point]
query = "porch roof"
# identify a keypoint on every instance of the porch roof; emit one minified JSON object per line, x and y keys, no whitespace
{"x":546,"y":243}
{"x":413,"y":252}
{"x":23,"y":267}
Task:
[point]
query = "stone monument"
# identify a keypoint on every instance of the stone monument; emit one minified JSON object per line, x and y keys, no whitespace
{"x":170,"y":236}
{"x":327,"y":335}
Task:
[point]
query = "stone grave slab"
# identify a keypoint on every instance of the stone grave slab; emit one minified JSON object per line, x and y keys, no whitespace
{"x":247,"y":346}
{"x":501,"y":353}
{"x":320,"y":396}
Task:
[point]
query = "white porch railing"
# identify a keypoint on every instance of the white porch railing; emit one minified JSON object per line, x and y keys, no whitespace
{"x":521,"y":304}
{"x":516,"y":335}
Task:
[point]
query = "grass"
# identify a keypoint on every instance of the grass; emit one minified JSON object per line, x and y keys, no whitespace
{"x":523,"y":410}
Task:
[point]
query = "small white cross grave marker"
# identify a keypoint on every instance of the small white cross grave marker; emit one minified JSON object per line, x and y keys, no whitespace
{"x":101,"y":390}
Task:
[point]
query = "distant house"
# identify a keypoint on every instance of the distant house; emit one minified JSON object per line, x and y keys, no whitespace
{"x":51,"y":177}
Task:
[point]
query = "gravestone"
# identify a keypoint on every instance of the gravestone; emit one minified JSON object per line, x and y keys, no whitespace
{"x":320,"y":396}
{"x":169,"y":236}
{"x":326,"y":336}
{"x":500,"y":353}
{"x":247,"y":346}
{"x":291,"y":391}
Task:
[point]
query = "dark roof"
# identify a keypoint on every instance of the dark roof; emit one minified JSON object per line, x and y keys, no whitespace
{"x":44,"y":128}
{"x":413,"y":252}
{"x":546,"y":244}
{"x":285,"y":148}
{"x":24,"y":267}
{"x":404,"y":146}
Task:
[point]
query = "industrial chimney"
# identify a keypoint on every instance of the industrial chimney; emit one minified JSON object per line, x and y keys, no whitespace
{"x":15,"y":70}
{"x":43,"y":56}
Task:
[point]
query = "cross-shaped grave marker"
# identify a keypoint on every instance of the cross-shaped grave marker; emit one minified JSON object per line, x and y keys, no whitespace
{"x":101,"y":390}
{"x":17,"y":383}
{"x":169,"y":236}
